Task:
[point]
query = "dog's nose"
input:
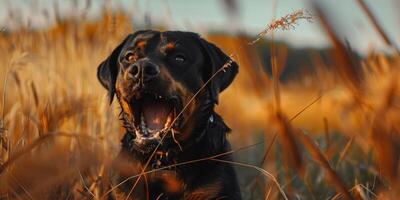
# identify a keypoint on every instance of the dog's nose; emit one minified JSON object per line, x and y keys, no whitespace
{"x":150,"y":70}
{"x":144,"y":70}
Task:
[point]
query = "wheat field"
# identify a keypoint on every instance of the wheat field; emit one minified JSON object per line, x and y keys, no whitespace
{"x":333,"y":133}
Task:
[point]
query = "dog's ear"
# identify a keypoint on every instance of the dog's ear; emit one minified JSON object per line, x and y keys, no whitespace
{"x":108,"y":70}
{"x":216,"y":60}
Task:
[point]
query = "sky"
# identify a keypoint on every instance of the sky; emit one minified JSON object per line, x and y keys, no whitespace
{"x":205,"y":15}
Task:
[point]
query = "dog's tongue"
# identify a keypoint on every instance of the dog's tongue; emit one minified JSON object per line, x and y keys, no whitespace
{"x":155,"y":113}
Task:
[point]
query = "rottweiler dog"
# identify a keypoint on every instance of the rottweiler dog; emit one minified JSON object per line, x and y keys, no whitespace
{"x":167,"y":86}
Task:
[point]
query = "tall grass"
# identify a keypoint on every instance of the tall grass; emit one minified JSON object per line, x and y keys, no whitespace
{"x":335,"y":137}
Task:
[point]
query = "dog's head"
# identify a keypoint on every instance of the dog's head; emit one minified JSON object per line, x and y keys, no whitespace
{"x":155,"y":74}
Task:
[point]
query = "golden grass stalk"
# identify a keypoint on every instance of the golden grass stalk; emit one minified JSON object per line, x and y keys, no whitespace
{"x":286,"y":22}
{"x":327,"y":134}
{"x":299,"y":167}
{"x":35,"y":94}
{"x":214,"y":158}
{"x":17,"y":80}
{"x":360,"y":192}
{"x":71,"y":41}
{"x":31,"y":146}
{"x":251,"y":63}
{"x":290,"y":120}
{"x":265,"y":172}
{"x":288,"y":140}
{"x":319,"y":158}
{"x":346,"y":148}
{"x":347,"y":65}
{"x":182,"y":163}
{"x":377,"y":25}
{"x":385,"y":143}
{"x":275,"y":75}
{"x":385,"y":137}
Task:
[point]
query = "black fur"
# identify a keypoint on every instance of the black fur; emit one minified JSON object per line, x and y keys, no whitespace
{"x":208,"y":132}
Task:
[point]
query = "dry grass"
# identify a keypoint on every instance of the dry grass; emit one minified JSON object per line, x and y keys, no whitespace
{"x":58,"y":133}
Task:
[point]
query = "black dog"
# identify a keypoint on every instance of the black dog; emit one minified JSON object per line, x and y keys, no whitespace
{"x":154,"y":76}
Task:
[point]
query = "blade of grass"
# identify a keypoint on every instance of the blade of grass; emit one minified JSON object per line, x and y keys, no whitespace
{"x":33,"y":145}
{"x":346,"y":148}
{"x":376,"y":25}
{"x":318,"y":157}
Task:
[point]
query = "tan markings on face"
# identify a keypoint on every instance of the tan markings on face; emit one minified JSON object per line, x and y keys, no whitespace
{"x":124,"y":104}
{"x":141,"y":44}
{"x":170,"y":46}
{"x":126,"y":75}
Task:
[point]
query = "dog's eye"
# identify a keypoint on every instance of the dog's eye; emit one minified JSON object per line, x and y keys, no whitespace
{"x":130,"y":57}
{"x":180,"y":58}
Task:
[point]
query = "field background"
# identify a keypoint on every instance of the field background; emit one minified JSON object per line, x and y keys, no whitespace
{"x":307,"y":123}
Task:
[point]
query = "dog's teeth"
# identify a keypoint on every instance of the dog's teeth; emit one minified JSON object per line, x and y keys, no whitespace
{"x":169,"y":121}
{"x":143,"y":125}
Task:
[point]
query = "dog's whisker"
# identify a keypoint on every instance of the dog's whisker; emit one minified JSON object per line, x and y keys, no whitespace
{"x":173,"y":137}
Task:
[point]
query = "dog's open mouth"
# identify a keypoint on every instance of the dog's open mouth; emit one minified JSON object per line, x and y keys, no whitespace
{"x":153,"y":117}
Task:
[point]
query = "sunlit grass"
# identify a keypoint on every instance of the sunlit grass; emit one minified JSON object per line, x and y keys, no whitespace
{"x":331,"y":131}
